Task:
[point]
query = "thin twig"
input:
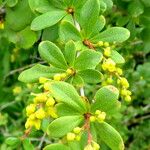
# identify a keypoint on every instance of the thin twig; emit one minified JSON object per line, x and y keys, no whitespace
{"x":7,"y":105}
{"x":41,"y":142}
{"x":21,"y":69}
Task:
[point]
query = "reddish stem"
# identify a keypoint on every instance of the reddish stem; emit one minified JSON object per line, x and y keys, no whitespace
{"x":87,"y":127}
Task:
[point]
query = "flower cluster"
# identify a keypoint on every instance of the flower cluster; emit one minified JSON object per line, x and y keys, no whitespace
{"x":92,"y":146}
{"x":98,"y":116}
{"x":42,"y":107}
{"x":114,"y":72}
{"x":124,"y":85}
{"x":63,"y":76}
{"x":75,"y":134}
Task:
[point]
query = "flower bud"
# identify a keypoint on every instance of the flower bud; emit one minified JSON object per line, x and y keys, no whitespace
{"x":92,"y":118}
{"x":100,"y":43}
{"x":50,"y":101}
{"x":106,"y":44}
{"x":70,"y":71}
{"x":128,"y":98}
{"x":57,"y":77}
{"x":77,"y":130}
{"x":40,"y":113}
{"x":42,"y":80}
{"x":89,"y":147}
{"x":107,"y":51}
{"x":30,"y":109}
{"x":71,"y":136}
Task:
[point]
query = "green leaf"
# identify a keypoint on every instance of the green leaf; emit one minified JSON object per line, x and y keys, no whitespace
{"x":16,"y":19}
{"x":26,"y":38}
{"x":91,"y":75}
{"x":56,"y":147}
{"x":98,"y":26}
{"x":77,"y":81}
{"x":58,"y":4}
{"x":106,"y":99}
{"x":47,"y":19}
{"x":51,"y":33}
{"x":66,"y":93}
{"x":40,"y":6}
{"x":135,"y":8}
{"x":86,"y":56}
{"x":52,"y":54}
{"x":27,"y":145}
{"x":61,"y":126}
{"x":116,"y":57}
{"x":12,"y":141}
{"x":146,"y":3}
{"x":33,"y":74}
{"x":113,"y":34}
{"x":68,"y":32}
{"x":74,"y":145}
{"x":109,"y":4}
{"x":70,"y":52}
{"x":11,"y":3}
{"x":110,"y":136}
{"x":89,"y":15}
{"x":65,"y":110}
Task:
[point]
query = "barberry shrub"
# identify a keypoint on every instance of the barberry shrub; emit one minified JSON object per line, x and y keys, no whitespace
{"x":78,"y":52}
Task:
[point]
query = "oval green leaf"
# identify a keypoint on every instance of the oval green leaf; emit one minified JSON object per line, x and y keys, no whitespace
{"x":56,"y":147}
{"x":66,"y":93}
{"x":106,"y":99}
{"x":47,"y":19}
{"x":61,"y":126}
{"x":110,"y":136}
{"x":86,"y":56}
{"x":52,"y":54}
{"x":113,"y":34}
{"x":33,"y":74}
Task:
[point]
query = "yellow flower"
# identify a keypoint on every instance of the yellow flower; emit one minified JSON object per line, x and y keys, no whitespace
{"x":70,"y":71}
{"x":40,"y":113}
{"x":109,"y":65}
{"x":101,"y":117}
{"x":71,"y":136}
{"x":124,"y":82}
{"x":106,"y":44}
{"x":119,"y":71}
{"x":89,"y":147}
{"x":128,"y":98}
{"x":109,"y":80}
{"x":100,"y":43}
{"x":63,"y":75}
{"x":97,"y":112}
{"x":42,"y":97}
{"x":47,"y":85}
{"x":50,"y":101}
{"x":77,"y":130}
{"x":37,"y":124}
{"x":78,"y":137}
{"x":51,"y":111}
{"x":1,"y":25}
{"x":30,"y":109}
{"x":124,"y":92}
{"x":57,"y":77}
{"x":42,"y":80}
{"x":17,"y":90}
{"x":92,"y":118}
{"x":95,"y":145}
{"x":107,"y":51}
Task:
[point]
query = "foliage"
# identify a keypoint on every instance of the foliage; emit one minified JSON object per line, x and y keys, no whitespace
{"x":70,"y":55}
